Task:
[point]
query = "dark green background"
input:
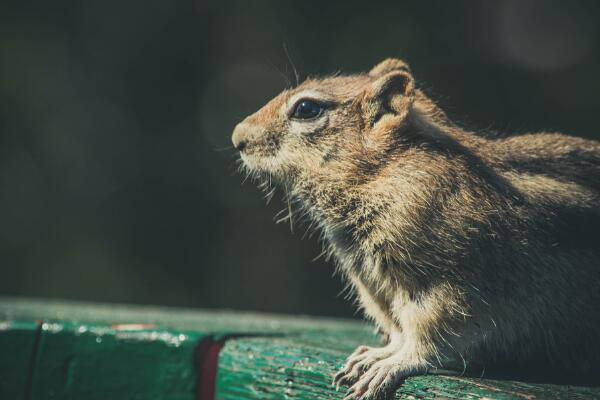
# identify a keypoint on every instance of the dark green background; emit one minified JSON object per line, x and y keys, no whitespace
{"x":114,"y":184}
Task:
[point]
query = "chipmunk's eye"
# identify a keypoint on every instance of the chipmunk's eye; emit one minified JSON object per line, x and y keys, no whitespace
{"x":307,"y":109}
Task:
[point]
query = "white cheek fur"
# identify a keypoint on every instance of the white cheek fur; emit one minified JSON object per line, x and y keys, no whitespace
{"x":306,"y":127}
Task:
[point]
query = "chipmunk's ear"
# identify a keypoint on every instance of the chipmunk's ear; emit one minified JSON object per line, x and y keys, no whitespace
{"x":391,"y":92}
{"x":389,"y":65}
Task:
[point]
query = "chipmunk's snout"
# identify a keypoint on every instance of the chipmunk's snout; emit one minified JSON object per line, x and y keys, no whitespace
{"x":249,"y":137}
{"x":242,"y":134}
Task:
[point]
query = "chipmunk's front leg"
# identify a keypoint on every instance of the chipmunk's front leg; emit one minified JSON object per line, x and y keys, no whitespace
{"x":422,"y":345}
{"x":365,"y":356}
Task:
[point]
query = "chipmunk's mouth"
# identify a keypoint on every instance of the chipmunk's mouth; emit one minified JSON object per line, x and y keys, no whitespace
{"x":260,"y":154}
{"x":259,"y":149}
{"x":260,"y":159}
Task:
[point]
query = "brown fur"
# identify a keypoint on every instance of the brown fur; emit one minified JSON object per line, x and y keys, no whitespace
{"x":467,"y":251}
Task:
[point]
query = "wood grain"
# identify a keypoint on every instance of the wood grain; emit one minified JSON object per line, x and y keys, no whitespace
{"x":84,"y":351}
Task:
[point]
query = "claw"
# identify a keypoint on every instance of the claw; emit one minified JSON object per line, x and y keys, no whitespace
{"x":338,"y":376}
{"x":352,"y":395}
{"x":372,"y":373}
{"x":345,"y":380}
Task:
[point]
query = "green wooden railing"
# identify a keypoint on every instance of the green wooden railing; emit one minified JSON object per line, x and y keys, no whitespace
{"x":82,"y":351}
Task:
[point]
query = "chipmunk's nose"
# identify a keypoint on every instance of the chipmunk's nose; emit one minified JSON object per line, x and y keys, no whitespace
{"x":240,"y":146}
{"x":238,"y":138}
{"x":242,"y":134}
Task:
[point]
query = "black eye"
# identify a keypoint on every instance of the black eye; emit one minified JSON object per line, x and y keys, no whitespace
{"x":307,"y":109}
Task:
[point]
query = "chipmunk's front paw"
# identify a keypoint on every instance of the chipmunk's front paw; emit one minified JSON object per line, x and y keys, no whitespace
{"x":383,"y":378}
{"x":359,"y":361}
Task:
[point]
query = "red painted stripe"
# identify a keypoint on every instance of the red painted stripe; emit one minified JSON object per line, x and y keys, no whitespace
{"x":207,"y":360}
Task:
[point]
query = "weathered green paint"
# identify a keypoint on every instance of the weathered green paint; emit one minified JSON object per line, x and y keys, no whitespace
{"x":94,"y":351}
{"x":80,"y":361}
{"x":61,"y":350}
{"x":302,"y":368}
{"x":17,"y":341}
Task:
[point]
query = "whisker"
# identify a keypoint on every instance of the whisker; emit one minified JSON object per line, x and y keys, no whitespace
{"x":224,"y":148}
{"x":289,"y":204}
{"x":287,"y":54}
{"x":287,"y":79}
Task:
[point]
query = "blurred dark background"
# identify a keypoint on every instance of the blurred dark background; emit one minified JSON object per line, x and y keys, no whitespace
{"x":115,"y":181}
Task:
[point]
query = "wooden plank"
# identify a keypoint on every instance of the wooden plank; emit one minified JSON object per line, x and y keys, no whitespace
{"x":94,"y":351}
{"x":83,"y":351}
{"x":82,"y":361}
{"x":17,"y":343}
{"x":302,"y":368}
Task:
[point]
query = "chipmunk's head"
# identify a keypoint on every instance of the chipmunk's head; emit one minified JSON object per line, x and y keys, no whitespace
{"x":324,"y":126}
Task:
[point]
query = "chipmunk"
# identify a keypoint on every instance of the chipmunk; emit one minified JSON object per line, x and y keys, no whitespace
{"x":467,"y":250}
